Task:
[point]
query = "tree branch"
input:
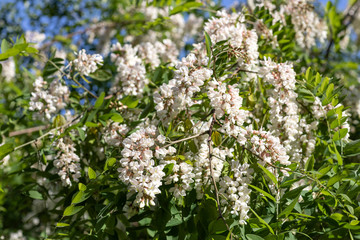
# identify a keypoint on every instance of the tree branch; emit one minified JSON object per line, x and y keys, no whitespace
{"x":212,"y":174}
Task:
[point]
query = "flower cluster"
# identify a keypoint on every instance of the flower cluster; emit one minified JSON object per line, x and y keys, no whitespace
{"x":180,"y":30}
{"x":115,"y":134}
{"x":131,"y":72}
{"x":307,"y":24}
{"x":266,"y":146}
{"x":50,"y":100}
{"x":225,"y":99}
{"x":182,"y":176}
{"x":8,"y":69}
{"x":202,"y":168}
{"x":154,"y":53}
{"x":86,"y":64}
{"x":235,"y":190}
{"x":232,"y":27}
{"x":35,"y":37}
{"x":67,"y":161}
{"x":177,"y":95}
{"x":284,"y":110}
{"x":138,"y":168}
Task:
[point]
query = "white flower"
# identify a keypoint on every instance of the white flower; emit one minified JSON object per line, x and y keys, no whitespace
{"x":86,"y":64}
{"x":67,"y":161}
{"x":50,"y":100}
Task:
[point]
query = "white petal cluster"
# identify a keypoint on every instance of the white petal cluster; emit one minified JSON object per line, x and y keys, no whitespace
{"x":86,"y":64}
{"x":202,"y":165}
{"x":235,"y":192}
{"x":180,"y":30}
{"x":284,"y":111}
{"x":8,"y":69}
{"x":67,"y":162}
{"x":308,"y":26}
{"x":17,"y":235}
{"x":232,"y":27}
{"x":175,"y":96}
{"x":35,"y":37}
{"x":267,"y":147}
{"x":165,"y":51}
{"x":225,"y":99}
{"x":115,"y":134}
{"x":182,"y":176}
{"x":131,"y":70}
{"x":318,"y":110}
{"x":138,"y":166}
{"x":50,"y":100}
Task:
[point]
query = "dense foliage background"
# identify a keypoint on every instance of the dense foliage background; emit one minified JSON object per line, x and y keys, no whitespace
{"x":179,"y":120}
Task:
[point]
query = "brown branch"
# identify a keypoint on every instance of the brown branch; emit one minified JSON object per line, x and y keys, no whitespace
{"x":212,"y":175}
{"x":28,"y":130}
{"x":351,"y":13}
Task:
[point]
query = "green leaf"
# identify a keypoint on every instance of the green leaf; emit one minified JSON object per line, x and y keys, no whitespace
{"x":289,"y":208}
{"x":263,"y":221}
{"x":31,"y":50}
{"x":9,"y":53}
{"x":78,"y":197}
{"x":5,"y":45}
{"x":263,"y":192}
{"x":130,"y":102}
{"x":71,"y":210}
{"x":81,"y":134}
{"x":6,"y":149}
{"x":185,"y":7}
{"x":309,"y":165}
{"x":334,"y":180}
{"x":62,"y":224}
{"x":351,"y":149}
{"x":109,"y":163}
{"x":82,"y":187}
{"x":216,"y":138}
{"x":59,"y":121}
{"x":340,"y":134}
{"x":91,"y":173}
{"x":101,"y":75}
{"x":116,"y":117}
{"x":35,"y":195}
{"x":100,"y":100}
{"x":208,"y":44}
{"x":254,"y":237}
{"x":269,"y":174}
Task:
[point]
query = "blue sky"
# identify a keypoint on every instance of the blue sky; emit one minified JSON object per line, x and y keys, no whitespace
{"x":342,"y":3}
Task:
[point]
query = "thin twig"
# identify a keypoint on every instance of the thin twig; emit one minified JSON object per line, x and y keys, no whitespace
{"x":28,"y":130}
{"x":48,"y":133}
{"x":350,"y":14}
{"x":212,"y":174}
{"x":183,"y":140}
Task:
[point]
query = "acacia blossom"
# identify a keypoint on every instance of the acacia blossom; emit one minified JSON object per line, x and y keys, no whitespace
{"x":308,"y":26}
{"x":8,"y":69}
{"x":284,"y":111}
{"x":131,"y":72}
{"x":67,"y":161}
{"x":243,"y":41}
{"x":49,"y":100}
{"x":138,"y":165}
{"x":86,"y":64}
{"x":177,"y":95}
{"x":235,"y":191}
